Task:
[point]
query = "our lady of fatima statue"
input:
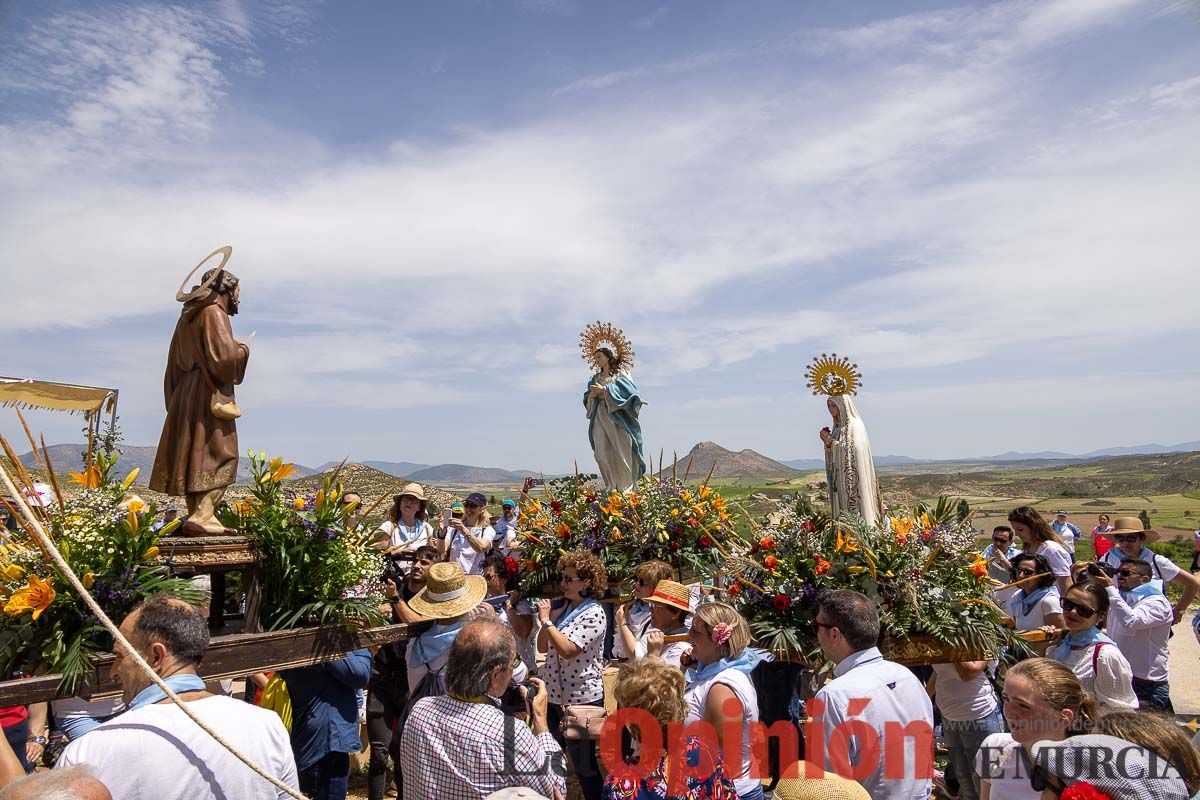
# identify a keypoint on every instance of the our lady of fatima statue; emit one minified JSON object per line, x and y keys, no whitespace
{"x":849,"y":468}
{"x":613,"y":403}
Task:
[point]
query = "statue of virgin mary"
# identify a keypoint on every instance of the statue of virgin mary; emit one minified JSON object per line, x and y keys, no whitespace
{"x":849,"y":468}
{"x":613,"y":404}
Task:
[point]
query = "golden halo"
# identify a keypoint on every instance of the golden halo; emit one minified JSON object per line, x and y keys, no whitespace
{"x":603,"y":333}
{"x":833,"y":375}
{"x":225,"y":252}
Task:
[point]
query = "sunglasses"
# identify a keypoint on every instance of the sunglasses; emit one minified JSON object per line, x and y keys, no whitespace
{"x":1127,"y":538}
{"x":1081,"y":610}
{"x":568,"y":579}
{"x":1128,"y":573}
{"x":471,"y":505}
{"x":1026,"y":571}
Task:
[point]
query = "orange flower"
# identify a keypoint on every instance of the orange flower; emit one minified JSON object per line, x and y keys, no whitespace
{"x":705,"y":492}
{"x":89,"y":478}
{"x":562,"y":530}
{"x":36,"y":597}
{"x":282,"y":471}
{"x":771,"y":562}
{"x":635,"y":499}
{"x":823,"y":566}
{"x":530,"y":564}
{"x":767,"y":542}
{"x":979,"y":567}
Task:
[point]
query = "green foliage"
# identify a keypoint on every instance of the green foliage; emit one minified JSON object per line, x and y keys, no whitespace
{"x":316,"y":568}
{"x":106,"y":539}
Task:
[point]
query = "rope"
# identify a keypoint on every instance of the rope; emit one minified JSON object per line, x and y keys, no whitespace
{"x":35,"y":527}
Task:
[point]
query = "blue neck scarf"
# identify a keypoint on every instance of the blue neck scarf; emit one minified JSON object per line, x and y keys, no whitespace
{"x":1092,"y":636}
{"x":1140,"y":593}
{"x":1029,"y":601}
{"x":570,"y":614}
{"x":746,"y":661}
{"x":178,"y":684}
{"x":433,"y":643}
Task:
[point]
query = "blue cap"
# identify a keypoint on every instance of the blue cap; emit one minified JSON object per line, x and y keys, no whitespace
{"x":476,"y":499}
{"x":508,"y":501}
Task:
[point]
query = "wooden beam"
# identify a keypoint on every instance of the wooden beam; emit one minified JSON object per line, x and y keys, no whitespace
{"x":232,"y":656}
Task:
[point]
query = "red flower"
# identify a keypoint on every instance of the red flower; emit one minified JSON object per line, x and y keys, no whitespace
{"x":753,"y":549}
{"x":734,"y":590}
{"x":771,"y":562}
{"x":692,"y":521}
{"x":979,"y":569}
{"x":1083,"y":791}
{"x":591,"y":498}
{"x":705,"y":541}
{"x":674,"y":545}
{"x":510,"y":566}
{"x":556,"y":506}
{"x":781,"y":602}
{"x":766,"y":542}
{"x":807,"y":526}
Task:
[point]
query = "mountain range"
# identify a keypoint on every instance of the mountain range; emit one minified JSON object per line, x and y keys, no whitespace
{"x":710,"y":457}
{"x":1012,"y":455}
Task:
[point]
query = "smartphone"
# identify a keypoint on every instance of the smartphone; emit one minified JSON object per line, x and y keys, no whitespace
{"x":527,"y":605}
{"x":446,"y":517}
{"x":498,"y":602}
{"x":537,"y":481}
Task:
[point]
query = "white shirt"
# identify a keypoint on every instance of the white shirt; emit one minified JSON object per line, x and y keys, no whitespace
{"x":696,"y":697}
{"x":1049,"y":603}
{"x":462,"y":552}
{"x":1059,"y":559}
{"x":638,"y":620}
{"x":963,"y":701}
{"x":411,"y":538}
{"x":895,"y":695}
{"x":1141,"y":631}
{"x":579,"y":679}
{"x":156,"y":753}
{"x":672,"y":652}
{"x":999,"y":764}
{"x":1111,"y":682}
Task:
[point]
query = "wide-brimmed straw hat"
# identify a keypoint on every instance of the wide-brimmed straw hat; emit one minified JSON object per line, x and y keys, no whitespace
{"x":671,"y":593}
{"x":448,"y":592}
{"x":412,"y":490}
{"x":1123,"y":526}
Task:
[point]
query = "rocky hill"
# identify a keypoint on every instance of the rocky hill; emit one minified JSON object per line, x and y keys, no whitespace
{"x":728,"y":464}
{"x":371,"y":484}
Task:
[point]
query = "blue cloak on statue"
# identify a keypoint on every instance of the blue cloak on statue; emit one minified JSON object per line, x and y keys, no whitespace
{"x":614,"y":431}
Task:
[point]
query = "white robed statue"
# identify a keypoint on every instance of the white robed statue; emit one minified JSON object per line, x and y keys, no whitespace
{"x":613,"y":403}
{"x":849,"y":468}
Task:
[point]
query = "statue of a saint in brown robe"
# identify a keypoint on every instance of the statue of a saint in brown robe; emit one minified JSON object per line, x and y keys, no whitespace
{"x":197,"y":454}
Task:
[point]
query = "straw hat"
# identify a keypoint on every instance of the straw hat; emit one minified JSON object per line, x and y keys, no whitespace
{"x":672,"y":594}
{"x":413,"y":490}
{"x":829,"y":787}
{"x":448,"y":592}
{"x":1123,"y":526}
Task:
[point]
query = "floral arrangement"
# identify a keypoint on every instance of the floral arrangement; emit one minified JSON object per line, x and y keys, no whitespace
{"x":105,"y":535}
{"x":657,"y":519}
{"x":317,"y":568}
{"x":922,"y":571}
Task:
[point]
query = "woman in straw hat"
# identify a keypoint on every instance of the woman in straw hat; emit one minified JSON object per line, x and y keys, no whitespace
{"x":668,"y":617}
{"x":405,"y":528}
{"x":449,"y":598}
{"x":1131,"y":540}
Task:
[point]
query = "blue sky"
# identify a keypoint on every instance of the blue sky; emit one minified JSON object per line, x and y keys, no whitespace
{"x":991,"y":208}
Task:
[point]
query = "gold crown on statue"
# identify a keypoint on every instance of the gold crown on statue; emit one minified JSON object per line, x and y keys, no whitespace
{"x":598,"y":334}
{"x":833,"y":375}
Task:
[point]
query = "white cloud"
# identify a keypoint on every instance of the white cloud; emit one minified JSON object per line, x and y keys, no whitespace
{"x":942,"y":199}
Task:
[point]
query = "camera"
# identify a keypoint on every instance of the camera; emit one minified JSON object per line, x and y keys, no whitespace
{"x":394,"y":569}
{"x":1099,"y":568}
{"x":526,"y":605}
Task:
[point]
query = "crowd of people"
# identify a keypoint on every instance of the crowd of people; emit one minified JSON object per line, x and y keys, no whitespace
{"x":652,"y":696}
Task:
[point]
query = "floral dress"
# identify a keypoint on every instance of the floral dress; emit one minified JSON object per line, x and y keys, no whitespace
{"x":702,"y":759}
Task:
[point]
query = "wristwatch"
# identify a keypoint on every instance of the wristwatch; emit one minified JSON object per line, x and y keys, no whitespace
{"x":42,"y":740}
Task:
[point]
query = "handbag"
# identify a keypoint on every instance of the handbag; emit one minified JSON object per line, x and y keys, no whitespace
{"x":583,"y":722}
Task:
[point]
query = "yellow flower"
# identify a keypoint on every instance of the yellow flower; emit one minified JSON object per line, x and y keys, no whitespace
{"x":719,"y":504}
{"x":674,"y":512}
{"x":856,"y":570}
{"x":902,"y":527}
{"x":151,"y":553}
{"x":845,"y":543}
{"x":281,"y":471}
{"x":14,"y":572}
{"x":925,"y":523}
{"x":635,"y":499}
{"x":298,"y":502}
{"x":136,"y":506}
{"x":701,"y":509}
{"x":87,"y":580}
{"x":130,"y":478}
{"x":89,"y":478}
{"x":616,"y":534}
{"x":686,"y":495}
{"x":705,"y":492}
{"x":36,"y":597}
